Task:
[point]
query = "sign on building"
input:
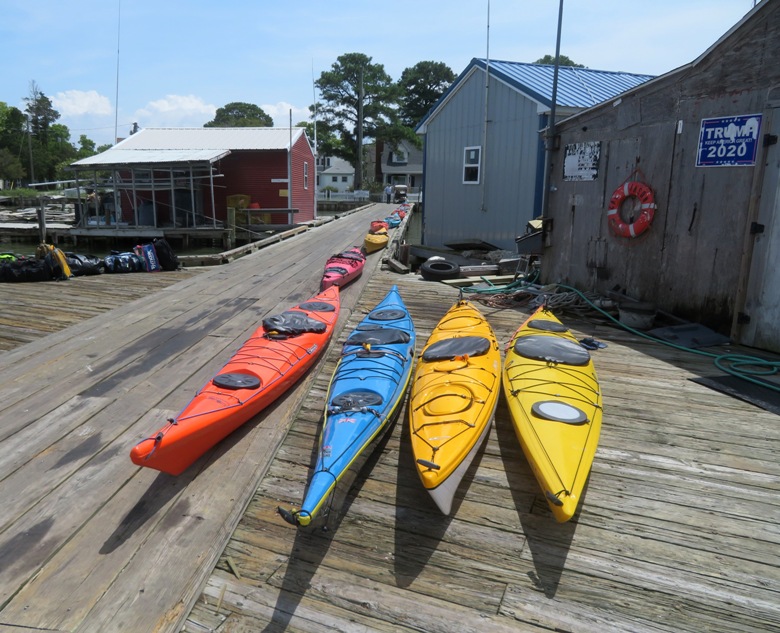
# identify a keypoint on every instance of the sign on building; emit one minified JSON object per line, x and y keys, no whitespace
{"x":581,"y":161}
{"x":729,"y":141}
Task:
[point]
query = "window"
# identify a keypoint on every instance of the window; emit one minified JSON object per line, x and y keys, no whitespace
{"x":471,"y":163}
{"x":398,"y":157}
{"x":343,"y":179}
{"x":305,"y":175}
{"x":334,"y":178}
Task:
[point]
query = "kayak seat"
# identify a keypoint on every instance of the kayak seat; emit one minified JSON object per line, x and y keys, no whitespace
{"x":356,"y":399}
{"x":390,"y":314}
{"x":551,"y":349}
{"x":547,"y":325}
{"x":317,"y":306}
{"x":236,"y":380}
{"x":381,"y":336}
{"x":451,"y":348}
{"x":351,"y":255}
{"x":293,"y":323}
{"x":336,"y":269}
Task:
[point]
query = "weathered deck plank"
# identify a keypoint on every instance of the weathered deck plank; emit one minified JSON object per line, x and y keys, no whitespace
{"x":678,"y":529}
{"x":678,"y":524}
{"x":86,"y":526}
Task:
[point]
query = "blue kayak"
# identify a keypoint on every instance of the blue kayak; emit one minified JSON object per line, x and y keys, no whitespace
{"x":364,"y":396}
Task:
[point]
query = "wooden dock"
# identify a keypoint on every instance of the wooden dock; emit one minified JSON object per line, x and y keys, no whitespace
{"x":679,"y":529}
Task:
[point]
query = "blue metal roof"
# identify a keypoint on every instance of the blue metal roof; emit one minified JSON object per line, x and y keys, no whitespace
{"x":577,"y":87}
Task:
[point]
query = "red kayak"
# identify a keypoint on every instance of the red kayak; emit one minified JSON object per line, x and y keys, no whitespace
{"x":378,"y":225}
{"x":268,"y":364}
{"x":342,"y":268}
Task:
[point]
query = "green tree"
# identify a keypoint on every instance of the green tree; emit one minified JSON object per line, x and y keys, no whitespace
{"x":239,"y":114}
{"x":562,"y":61}
{"x":13,"y":125}
{"x":86,"y":147}
{"x":40,"y":112}
{"x":327,"y":142}
{"x":420,"y":87}
{"x":10,"y":166}
{"x":353,"y":81}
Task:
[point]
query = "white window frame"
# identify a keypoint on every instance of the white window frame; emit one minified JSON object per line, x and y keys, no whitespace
{"x":469,"y":164}
{"x":305,"y":175}
{"x":399,"y":156}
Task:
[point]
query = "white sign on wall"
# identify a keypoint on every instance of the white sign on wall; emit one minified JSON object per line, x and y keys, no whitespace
{"x":581,"y":161}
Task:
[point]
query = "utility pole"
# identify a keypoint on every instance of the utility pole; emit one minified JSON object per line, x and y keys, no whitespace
{"x":550,"y":136}
{"x":29,"y":149}
{"x":359,"y":164}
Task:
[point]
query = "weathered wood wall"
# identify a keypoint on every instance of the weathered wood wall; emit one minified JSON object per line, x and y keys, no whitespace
{"x":689,"y":261}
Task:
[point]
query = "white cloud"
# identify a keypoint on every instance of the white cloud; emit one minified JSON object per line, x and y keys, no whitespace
{"x":280,"y":113}
{"x":176,"y":111}
{"x":79,"y":102}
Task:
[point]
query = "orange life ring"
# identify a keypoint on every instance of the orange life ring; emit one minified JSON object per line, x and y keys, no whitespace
{"x":645,"y":196}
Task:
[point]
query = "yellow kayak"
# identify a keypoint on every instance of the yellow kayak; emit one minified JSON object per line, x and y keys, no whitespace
{"x":374,"y":242}
{"x":453,"y":398}
{"x":555,"y":405}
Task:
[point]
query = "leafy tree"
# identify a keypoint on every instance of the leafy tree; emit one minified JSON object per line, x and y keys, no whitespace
{"x":10,"y":166}
{"x":239,"y":114}
{"x":40,"y":112}
{"x":562,"y":61}
{"x":328,"y":143}
{"x":86,"y":147}
{"x":12,"y":129}
{"x":420,"y":87}
{"x":351,"y":82}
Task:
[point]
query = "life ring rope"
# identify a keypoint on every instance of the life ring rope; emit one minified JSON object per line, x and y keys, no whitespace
{"x":647,"y":207}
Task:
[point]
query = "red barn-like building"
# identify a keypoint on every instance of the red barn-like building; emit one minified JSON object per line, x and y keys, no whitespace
{"x":182,"y":178}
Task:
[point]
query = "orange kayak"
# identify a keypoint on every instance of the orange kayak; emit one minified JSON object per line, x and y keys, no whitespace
{"x":266,"y":366}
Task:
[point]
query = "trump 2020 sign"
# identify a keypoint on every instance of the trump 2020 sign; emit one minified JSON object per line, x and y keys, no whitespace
{"x":729,"y":141}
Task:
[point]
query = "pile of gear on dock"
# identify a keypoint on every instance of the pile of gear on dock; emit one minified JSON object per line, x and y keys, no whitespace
{"x":52,"y":264}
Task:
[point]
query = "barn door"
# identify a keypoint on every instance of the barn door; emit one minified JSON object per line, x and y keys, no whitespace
{"x":762,"y":304}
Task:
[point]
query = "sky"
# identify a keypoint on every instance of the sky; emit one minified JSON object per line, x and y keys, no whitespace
{"x":172,"y":63}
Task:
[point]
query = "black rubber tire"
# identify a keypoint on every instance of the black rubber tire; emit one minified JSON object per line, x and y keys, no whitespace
{"x":439,"y":269}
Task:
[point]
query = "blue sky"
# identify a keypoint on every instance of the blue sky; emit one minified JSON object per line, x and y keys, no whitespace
{"x":179,"y":60}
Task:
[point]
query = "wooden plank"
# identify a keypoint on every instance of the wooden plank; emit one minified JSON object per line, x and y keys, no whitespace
{"x":678,"y":528}
{"x":159,"y":366}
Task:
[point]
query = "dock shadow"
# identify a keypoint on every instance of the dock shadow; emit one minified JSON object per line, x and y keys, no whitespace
{"x":311,"y":544}
{"x":548,"y":541}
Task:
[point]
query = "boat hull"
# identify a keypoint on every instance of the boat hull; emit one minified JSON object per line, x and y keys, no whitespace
{"x":554,"y":402}
{"x":364,"y":397}
{"x":453,"y":400}
{"x":265,"y":367}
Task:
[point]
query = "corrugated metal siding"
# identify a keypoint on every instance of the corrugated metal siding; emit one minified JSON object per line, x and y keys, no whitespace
{"x":234,"y":138}
{"x":577,"y":87}
{"x":251,"y":173}
{"x":303,"y":199}
{"x":454,"y":211}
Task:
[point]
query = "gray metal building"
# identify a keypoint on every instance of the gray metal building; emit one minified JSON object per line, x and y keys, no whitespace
{"x":483,"y":155}
{"x":704,"y":139}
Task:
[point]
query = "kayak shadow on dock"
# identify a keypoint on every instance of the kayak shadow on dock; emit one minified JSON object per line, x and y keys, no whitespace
{"x":419,"y":525}
{"x":547,"y":540}
{"x":311,"y":544}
